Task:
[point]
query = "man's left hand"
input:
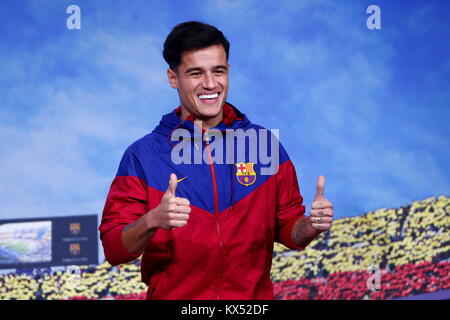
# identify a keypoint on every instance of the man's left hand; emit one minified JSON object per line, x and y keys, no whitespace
{"x":321,"y":214}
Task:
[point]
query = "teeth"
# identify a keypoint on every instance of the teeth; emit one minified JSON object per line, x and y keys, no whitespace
{"x":208,"y":96}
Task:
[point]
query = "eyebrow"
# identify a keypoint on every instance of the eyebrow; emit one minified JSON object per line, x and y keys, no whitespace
{"x":222,"y":66}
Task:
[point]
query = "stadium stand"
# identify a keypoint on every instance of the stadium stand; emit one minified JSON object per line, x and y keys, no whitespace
{"x":409,"y":246}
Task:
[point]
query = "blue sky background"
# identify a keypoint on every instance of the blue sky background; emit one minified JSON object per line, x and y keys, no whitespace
{"x":369,"y":109}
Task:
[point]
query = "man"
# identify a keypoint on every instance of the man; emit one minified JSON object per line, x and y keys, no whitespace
{"x":204,"y":230}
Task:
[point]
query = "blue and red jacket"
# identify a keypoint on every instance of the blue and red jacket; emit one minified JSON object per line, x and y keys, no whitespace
{"x":225,"y":250}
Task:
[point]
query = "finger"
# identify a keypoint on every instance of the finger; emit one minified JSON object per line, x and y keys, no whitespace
{"x":321,"y":220}
{"x":177,"y":223}
{"x":322,"y":227}
{"x":172,"y":185}
{"x":320,"y":188}
{"x":181,"y":209}
{"x":178,"y":216}
{"x":322,"y":204}
{"x":174,"y":205}
{"x":327,"y":212}
{"x":181,"y":201}
{"x":181,"y":217}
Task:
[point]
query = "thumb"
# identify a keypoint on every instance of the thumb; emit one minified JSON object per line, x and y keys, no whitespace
{"x":319,"y":189}
{"x":172,"y":185}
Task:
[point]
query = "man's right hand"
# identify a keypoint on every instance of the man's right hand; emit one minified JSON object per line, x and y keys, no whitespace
{"x":172,"y":212}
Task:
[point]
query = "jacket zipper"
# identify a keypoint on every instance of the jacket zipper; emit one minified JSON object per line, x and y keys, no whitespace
{"x":216,"y":211}
{"x":213,"y":175}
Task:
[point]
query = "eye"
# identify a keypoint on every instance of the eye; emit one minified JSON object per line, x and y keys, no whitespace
{"x":195,"y":74}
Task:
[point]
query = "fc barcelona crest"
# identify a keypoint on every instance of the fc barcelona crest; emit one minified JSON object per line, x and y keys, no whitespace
{"x":74,"y":248}
{"x":245,"y":173}
{"x":75,"y":228}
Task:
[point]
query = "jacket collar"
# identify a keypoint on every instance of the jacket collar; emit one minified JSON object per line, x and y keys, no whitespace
{"x":233,"y":119}
{"x":230,"y":114}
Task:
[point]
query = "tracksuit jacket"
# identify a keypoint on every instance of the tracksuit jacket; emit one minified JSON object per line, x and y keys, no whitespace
{"x":225,"y":250}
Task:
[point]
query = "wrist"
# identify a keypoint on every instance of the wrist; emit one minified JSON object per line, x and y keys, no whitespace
{"x":303,"y":232}
{"x":151,"y":222}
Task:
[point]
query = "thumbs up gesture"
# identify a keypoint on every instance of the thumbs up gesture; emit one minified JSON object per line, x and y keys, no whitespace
{"x":321,"y":213}
{"x":172,"y":212}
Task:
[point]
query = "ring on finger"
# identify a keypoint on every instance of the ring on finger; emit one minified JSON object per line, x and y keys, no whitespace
{"x":319,"y":220}
{"x":320,"y":213}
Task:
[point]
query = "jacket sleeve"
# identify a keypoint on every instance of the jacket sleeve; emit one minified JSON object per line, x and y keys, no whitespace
{"x":289,"y":204}
{"x":126,"y":202}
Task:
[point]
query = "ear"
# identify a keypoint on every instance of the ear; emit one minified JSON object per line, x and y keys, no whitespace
{"x":172,"y":76}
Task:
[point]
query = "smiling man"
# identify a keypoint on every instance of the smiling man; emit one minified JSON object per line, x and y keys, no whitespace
{"x":210,"y":234}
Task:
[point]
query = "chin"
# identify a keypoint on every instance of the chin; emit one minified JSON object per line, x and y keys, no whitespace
{"x":210,"y":111}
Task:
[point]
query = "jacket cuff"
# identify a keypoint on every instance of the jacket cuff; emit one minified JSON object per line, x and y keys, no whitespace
{"x":115,"y":251}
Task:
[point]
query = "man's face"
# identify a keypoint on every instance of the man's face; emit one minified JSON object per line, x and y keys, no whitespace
{"x":202,"y":82}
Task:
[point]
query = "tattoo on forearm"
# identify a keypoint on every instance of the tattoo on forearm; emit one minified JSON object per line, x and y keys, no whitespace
{"x":145,"y":234}
{"x":129,"y":226}
{"x":299,"y":232}
{"x":303,"y":232}
{"x":142,"y":235}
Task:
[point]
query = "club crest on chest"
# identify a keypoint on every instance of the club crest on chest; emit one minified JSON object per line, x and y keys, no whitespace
{"x":245,"y":173}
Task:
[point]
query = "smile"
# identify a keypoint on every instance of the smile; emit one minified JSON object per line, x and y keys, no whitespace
{"x":209,"y":99}
{"x":208,"y":96}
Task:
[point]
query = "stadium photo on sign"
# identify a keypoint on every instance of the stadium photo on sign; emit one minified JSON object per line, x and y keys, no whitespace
{"x":229,"y":156}
{"x":25,"y":242}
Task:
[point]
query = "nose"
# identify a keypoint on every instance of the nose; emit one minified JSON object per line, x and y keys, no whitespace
{"x":209,"y":82}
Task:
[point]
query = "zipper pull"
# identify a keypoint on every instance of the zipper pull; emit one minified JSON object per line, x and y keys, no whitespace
{"x":206,"y":137}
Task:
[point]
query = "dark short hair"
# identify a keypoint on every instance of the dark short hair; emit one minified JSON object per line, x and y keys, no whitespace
{"x":189,"y":36}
